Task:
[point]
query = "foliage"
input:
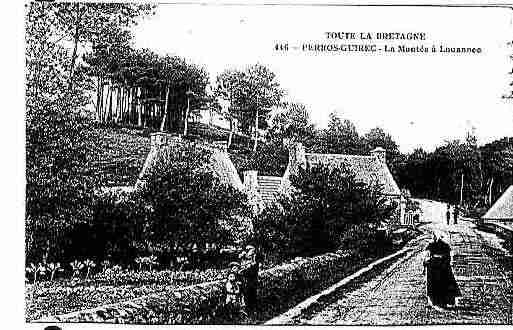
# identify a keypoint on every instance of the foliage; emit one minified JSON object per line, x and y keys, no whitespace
{"x":146,"y":261}
{"x":251,"y":93}
{"x":377,"y":137}
{"x":187,"y":200}
{"x":54,"y":268}
{"x":89,"y":264}
{"x":53,"y":27}
{"x":497,"y":167}
{"x":412,"y":205}
{"x":93,"y":24}
{"x":39,"y":269}
{"x":281,"y":288}
{"x":163,"y":277}
{"x":58,"y":194}
{"x":143,"y":67}
{"x":312,"y":219}
{"x":59,"y":297}
{"x":294,"y":123}
{"x":117,"y":230}
{"x":291,"y":123}
{"x":122,"y":232}
{"x":437,"y":175}
{"x":77,"y":266}
{"x":340,"y":137}
{"x":271,"y":158}
{"x":183,"y":207}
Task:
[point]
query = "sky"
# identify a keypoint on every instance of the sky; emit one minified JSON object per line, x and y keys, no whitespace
{"x":421,"y":100}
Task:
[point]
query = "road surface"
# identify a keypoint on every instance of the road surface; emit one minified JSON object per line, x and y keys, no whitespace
{"x":397,"y":296}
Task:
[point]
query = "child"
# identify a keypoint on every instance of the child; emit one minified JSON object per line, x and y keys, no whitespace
{"x":233,"y":291}
{"x":234,"y":300}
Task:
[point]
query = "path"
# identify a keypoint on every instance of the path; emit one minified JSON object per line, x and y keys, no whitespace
{"x":397,"y":295}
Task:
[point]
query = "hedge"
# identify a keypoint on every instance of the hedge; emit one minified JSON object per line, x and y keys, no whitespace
{"x":280,"y":288}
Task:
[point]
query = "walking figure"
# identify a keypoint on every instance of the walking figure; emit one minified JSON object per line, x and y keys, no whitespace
{"x":456,"y":213}
{"x":441,"y":286}
{"x":448,"y":214}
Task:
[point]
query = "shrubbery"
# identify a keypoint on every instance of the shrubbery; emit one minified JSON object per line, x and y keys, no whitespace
{"x":329,"y":209}
{"x":188,"y":202}
{"x":183,"y":215}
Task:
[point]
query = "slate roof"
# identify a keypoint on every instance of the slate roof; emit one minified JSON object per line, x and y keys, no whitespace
{"x":367,"y":169}
{"x":502,"y":209}
{"x":269,"y":187}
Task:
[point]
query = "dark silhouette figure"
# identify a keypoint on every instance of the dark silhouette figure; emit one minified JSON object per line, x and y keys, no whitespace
{"x":250,"y":267}
{"x":448,"y":214}
{"x":442,"y":288}
{"x":456,"y":214}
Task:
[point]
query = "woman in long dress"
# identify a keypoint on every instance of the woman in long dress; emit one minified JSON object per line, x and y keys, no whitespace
{"x":442,"y":288}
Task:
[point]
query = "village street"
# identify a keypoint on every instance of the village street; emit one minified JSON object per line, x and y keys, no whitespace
{"x":397,"y":295}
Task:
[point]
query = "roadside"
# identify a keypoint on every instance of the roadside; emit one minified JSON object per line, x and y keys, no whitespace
{"x":396,"y":296}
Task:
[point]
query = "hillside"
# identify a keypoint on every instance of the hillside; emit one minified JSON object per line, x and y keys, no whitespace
{"x":118,"y":154}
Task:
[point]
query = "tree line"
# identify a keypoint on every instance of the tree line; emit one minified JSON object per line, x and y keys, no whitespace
{"x":457,"y":171}
{"x":77,"y":50}
{"x":58,"y":129}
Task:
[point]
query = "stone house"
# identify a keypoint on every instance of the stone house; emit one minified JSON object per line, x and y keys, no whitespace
{"x":263,"y":190}
{"x":162,"y":145}
{"x":369,"y":169}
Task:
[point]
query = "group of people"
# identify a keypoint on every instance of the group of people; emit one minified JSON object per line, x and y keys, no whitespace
{"x":242,"y":284}
{"x":455,"y":213}
{"x":441,"y":286}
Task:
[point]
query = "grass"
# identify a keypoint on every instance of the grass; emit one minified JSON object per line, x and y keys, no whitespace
{"x":117,"y":154}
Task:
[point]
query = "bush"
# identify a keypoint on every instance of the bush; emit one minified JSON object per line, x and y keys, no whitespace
{"x":316,"y":216}
{"x":184,"y":208}
{"x":187,"y":202}
{"x":58,"y":193}
{"x":280,"y":289}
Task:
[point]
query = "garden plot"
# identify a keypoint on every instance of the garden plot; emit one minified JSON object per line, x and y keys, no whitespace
{"x":59,"y":297}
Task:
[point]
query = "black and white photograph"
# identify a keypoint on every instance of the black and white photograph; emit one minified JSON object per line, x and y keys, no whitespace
{"x":267,"y":164}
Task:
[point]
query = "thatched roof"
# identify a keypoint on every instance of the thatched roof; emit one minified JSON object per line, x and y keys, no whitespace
{"x":219,"y":161}
{"x":117,"y":156}
{"x":503,"y":207}
{"x":367,"y":169}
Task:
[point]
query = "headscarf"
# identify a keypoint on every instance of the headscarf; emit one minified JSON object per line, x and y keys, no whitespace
{"x":440,"y":235}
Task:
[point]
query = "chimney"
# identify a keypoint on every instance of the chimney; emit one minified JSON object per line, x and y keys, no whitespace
{"x":380,"y":154}
{"x":297,"y":157}
{"x":251,"y":180}
{"x":160,"y":139}
{"x":221,"y":145}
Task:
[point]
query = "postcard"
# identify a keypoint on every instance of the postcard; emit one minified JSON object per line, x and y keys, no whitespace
{"x":267,"y":164}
